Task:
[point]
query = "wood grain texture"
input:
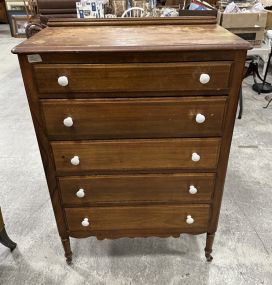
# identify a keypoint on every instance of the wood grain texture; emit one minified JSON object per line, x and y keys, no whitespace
{"x":156,"y":21}
{"x":132,"y":38}
{"x":44,"y":146}
{"x":143,"y":233}
{"x":134,"y":118}
{"x":237,"y":74}
{"x":131,"y":155}
{"x":144,"y":188}
{"x":151,"y":217}
{"x":67,"y":249}
{"x":142,"y":77}
{"x":118,"y":57}
{"x":133,"y":165}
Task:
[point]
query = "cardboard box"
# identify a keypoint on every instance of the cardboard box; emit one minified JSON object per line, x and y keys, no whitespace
{"x":249,"y":26}
{"x":243,"y":20}
{"x":253,"y":35}
{"x":269,"y":20}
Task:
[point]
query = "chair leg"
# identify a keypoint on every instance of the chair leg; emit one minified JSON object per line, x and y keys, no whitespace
{"x":240,"y":104}
{"x":6,"y":241}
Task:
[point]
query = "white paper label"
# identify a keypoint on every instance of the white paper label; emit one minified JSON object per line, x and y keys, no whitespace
{"x":34,"y":58}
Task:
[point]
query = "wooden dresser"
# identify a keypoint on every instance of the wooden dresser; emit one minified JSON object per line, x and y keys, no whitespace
{"x":134,"y":122}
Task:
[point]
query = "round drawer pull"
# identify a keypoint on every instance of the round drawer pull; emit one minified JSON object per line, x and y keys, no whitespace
{"x":204,"y":78}
{"x":85,"y":222}
{"x":189,"y":220}
{"x":195,"y":157}
{"x":200,"y":118}
{"x":75,"y":160}
{"x":63,"y":81}
{"x":192,"y":189}
{"x":80,"y":193}
{"x":68,"y":122}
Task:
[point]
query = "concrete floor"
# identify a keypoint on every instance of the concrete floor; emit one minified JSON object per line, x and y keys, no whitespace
{"x":243,"y":243}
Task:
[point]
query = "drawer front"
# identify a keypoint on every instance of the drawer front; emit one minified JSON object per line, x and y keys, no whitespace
{"x":130,"y":218}
{"x":137,"y":188}
{"x":163,"y":154}
{"x":133,"y":77}
{"x":134,"y":118}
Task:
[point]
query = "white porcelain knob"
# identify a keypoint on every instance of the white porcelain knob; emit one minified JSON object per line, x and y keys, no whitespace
{"x":63,"y":81}
{"x":75,"y":160}
{"x":80,"y":193}
{"x":189,"y":220}
{"x":68,"y":122}
{"x":204,"y":78}
{"x":200,"y":118}
{"x":85,"y":222}
{"x":195,"y":157}
{"x":192,"y":189}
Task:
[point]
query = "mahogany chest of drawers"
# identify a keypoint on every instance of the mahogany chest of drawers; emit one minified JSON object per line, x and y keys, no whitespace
{"x":134,"y":123}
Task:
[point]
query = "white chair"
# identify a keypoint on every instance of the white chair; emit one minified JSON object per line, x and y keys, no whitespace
{"x":134,"y":12}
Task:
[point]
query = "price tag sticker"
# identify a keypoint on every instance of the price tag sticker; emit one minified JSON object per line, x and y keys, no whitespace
{"x":32,"y":58}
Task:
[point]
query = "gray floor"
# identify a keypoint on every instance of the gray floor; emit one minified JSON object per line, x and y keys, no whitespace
{"x":242,"y":248}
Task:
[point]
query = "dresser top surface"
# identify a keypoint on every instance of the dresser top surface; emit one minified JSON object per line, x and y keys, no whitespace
{"x":131,"y":38}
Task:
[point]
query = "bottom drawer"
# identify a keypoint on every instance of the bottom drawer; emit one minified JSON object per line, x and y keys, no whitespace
{"x":139,"y":218}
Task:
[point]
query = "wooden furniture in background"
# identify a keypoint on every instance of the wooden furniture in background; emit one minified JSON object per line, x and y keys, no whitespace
{"x":134,"y":123}
{"x":18,"y":26}
{"x":3,"y":12}
{"x":4,"y":238}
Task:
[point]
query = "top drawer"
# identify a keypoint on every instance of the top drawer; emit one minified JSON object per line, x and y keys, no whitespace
{"x":136,"y":77}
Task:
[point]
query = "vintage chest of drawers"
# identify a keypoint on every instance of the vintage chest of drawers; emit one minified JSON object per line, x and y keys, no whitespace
{"x":134,"y":123}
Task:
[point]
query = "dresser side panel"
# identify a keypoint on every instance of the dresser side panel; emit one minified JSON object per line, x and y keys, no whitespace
{"x":236,"y":81}
{"x":44,"y":146}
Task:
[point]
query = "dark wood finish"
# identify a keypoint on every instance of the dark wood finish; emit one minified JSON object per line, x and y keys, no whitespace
{"x":133,"y":163}
{"x":3,"y":12}
{"x":45,"y":149}
{"x":208,"y":248}
{"x":140,"y":56}
{"x":187,"y":20}
{"x":143,"y":77}
{"x":134,"y":118}
{"x":133,"y":155}
{"x":114,"y":234}
{"x":212,"y":2}
{"x":4,"y":238}
{"x":133,"y":218}
{"x":144,"y":188}
{"x":237,"y":75}
{"x":67,"y":248}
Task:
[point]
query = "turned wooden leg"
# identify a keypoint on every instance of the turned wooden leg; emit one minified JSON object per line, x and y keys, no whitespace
{"x":5,"y":240}
{"x":67,"y":249}
{"x":208,"y":248}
